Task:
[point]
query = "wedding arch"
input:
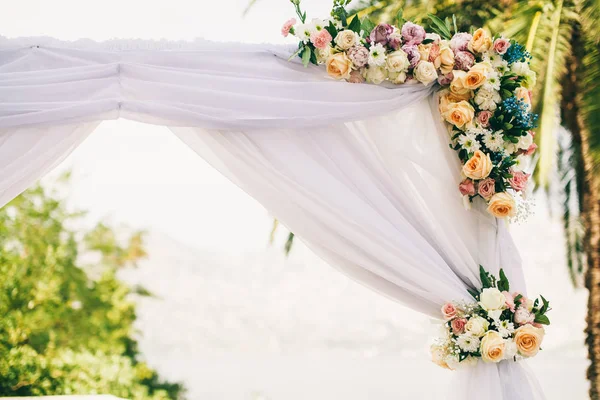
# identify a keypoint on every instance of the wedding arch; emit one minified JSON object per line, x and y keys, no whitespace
{"x":362,"y":173}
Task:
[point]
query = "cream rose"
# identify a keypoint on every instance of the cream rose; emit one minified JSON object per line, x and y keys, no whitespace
{"x":481,"y":41}
{"x":339,"y":66}
{"x":477,"y":326}
{"x":375,"y":75}
{"x":424,"y":50}
{"x":502,"y":205}
{"x":528,"y":339}
{"x":445,"y":60}
{"x":457,"y":86}
{"x":459,"y":114}
{"x":478,"y":167}
{"x":345,"y":39}
{"x":397,"y":61}
{"x":425,"y":73}
{"x":397,"y":77}
{"x":492,"y":347}
{"x":476,"y":76}
{"x":491,"y":299}
{"x":322,"y":54}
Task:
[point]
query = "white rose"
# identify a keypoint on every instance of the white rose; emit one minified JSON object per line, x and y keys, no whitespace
{"x":477,"y":326}
{"x":495,"y":314}
{"x":397,"y":77}
{"x":491,"y":299}
{"x":520,"y":68}
{"x":425,"y":72}
{"x":375,"y":75}
{"x":322,"y":54}
{"x":345,"y":39}
{"x":397,"y":61}
{"x":525,"y":142}
{"x":510,"y":349}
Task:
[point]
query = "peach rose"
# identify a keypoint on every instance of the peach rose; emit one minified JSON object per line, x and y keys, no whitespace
{"x":458,"y":87}
{"x":339,"y":66}
{"x":481,"y":41}
{"x":445,"y":60}
{"x":502,"y":205}
{"x":476,"y":76}
{"x":529,"y":339}
{"x":449,"y":311}
{"x":459,"y":114}
{"x":479,"y":166}
{"x":492,"y":347}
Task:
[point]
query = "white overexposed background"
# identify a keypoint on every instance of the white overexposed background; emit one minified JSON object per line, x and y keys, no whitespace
{"x":233,"y":317}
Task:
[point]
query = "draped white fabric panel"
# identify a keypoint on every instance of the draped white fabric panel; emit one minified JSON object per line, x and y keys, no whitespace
{"x":363,"y":174}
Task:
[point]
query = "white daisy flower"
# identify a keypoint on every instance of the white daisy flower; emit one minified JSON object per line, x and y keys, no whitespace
{"x":520,"y":68}
{"x":499,"y":63}
{"x":469,"y":142}
{"x":493,"y":141}
{"x":487,"y":99}
{"x":522,"y":163}
{"x":318,"y":24}
{"x":493,"y":81}
{"x":505,"y":327}
{"x":303,"y":32}
{"x":468,"y":343}
{"x":377,"y":55}
{"x":510,"y":349}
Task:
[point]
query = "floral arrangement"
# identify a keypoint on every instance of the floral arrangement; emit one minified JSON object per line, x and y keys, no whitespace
{"x":485,"y":82}
{"x":499,"y":326}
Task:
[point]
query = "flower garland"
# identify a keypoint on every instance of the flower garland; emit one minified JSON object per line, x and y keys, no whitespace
{"x":499,"y":326}
{"x":485,"y":97}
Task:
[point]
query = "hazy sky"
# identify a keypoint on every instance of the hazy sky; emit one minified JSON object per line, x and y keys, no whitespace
{"x":142,"y":175}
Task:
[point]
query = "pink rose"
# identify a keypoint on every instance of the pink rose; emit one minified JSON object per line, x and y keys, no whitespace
{"x":519,"y":180}
{"x":356,"y":77}
{"x":501,"y":45}
{"x":523,"y":316}
{"x":359,"y":55}
{"x":321,"y":39}
{"x":445,"y":80}
{"x":467,"y":187}
{"x":413,"y":54}
{"x":463,"y":60}
{"x":531,"y":149}
{"x":285,"y":30}
{"x":460,"y":41}
{"x":381,"y":34}
{"x":413,"y":34}
{"x":458,"y":325}
{"x":484,"y":118}
{"x":449,"y":311}
{"x":486,"y":188}
{"x":510,"y":301}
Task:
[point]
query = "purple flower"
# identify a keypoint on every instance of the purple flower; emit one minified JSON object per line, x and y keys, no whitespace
{"x":413,"y":54}
{"x":413,"y":34}
{"x":464,"y":60}
{"x":381,"y":34}
{"x":359,"y":55}
{"x":445,"y":80}
{"x":460,"y":41}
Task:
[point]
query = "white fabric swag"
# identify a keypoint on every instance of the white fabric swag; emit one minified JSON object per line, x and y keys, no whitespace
{"x":361,"y":173}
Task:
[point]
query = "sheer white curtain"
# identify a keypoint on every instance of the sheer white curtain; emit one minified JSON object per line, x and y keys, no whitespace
{"x":363,"y":174}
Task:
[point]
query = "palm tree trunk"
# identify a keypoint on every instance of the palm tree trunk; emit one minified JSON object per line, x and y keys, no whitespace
{"x":589,"y":186}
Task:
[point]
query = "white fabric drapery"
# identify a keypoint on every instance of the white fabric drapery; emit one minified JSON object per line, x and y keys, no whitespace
{"x":363,"y":174}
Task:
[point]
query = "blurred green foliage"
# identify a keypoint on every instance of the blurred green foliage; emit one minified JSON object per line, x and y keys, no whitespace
{"x":66,"y":325}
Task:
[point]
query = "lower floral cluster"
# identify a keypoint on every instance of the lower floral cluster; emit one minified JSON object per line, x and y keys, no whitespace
{"x":499,"y":325}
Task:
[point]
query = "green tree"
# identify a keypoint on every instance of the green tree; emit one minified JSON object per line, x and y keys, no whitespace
{"x":67,"y":324}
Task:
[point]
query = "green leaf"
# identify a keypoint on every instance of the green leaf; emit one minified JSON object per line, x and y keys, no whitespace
{"x":542,"y":319}
{"x":367,"y":26}
{"x":486,"y":282}
{"x":440,"y":27}
{"x":354,"y":24}
{"x":400,"y":18}
{"x":474,"y":293}
{"x":306,"y":53}
{"x":503,"y":284}
{"x":455,"y":24}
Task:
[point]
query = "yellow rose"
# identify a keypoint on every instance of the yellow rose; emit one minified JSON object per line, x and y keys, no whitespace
{"x":523,"y":94}
{"x":528,"y":339}
{"x":457,"y":86}
{"x":492,"y":347}
{"x":424,"y":50}
{"x":481,"y":41}
{"x":502,"y":205}
{"x":459,"y":114}
{"x":478,"y":167}
{"x":345,"y":39}
{"x":445,"y":60}
{"x":476,"y":76}
{"x":339,"y":66}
